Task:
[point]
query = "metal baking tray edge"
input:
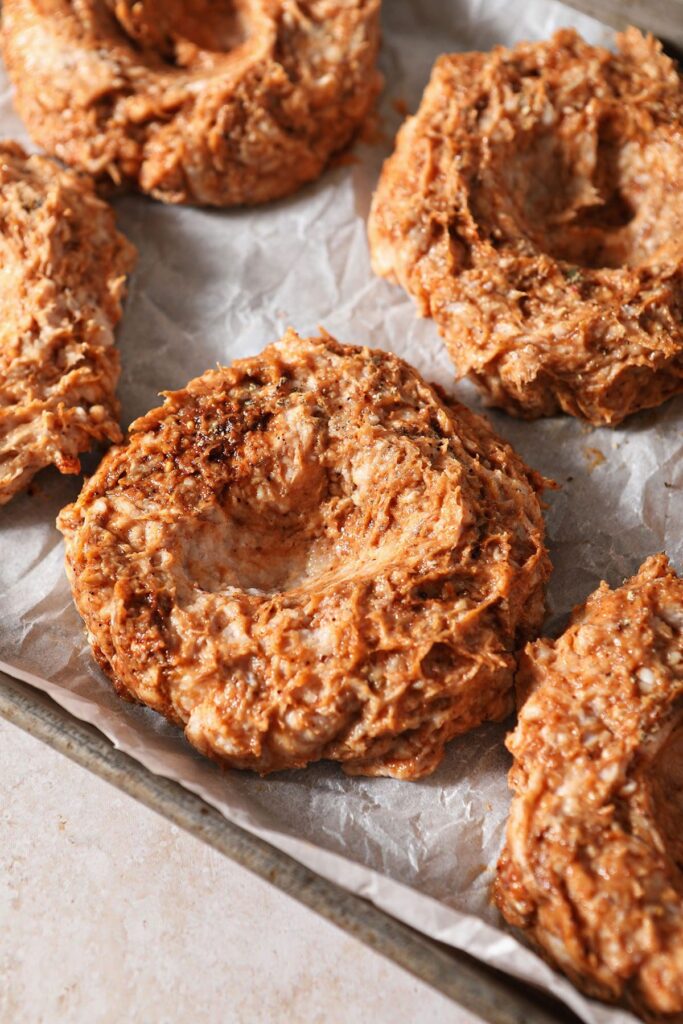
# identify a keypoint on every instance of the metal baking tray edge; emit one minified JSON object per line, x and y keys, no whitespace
{"x":491,"y":995}
{"x":664,"y":18}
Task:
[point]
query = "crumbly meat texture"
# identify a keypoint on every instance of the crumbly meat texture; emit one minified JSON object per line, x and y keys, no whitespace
{"x":62,"y":282}
{"x":592,"y":867}
{"x":534,"y":208}
{"x":311,"y":554}
{"x":216,"y":102}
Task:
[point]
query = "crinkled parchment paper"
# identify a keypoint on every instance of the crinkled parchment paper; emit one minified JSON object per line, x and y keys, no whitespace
{"x":211,"y":286}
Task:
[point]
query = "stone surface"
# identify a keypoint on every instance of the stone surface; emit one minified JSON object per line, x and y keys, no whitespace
{"x":108,"y":913}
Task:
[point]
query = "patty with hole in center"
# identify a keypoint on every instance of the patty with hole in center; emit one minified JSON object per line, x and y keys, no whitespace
{"x":591,"y":868}
{"x":534,"y":208}
{"x":211,"y":102}
{"x":64,"y":268}
{"x":312,"y":554}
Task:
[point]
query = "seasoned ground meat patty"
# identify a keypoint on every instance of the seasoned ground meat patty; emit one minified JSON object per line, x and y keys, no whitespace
{"x":311,"y":554}
{"x":216,"y":102}
{"x":593,"y":864}
{"x":63,"y":278}
{"x":534,"y":209}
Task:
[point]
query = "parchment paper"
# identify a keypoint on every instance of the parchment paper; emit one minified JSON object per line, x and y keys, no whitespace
{"x":211,"y":286}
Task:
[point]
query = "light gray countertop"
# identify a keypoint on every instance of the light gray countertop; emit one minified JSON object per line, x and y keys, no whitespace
{"x":110,"y":914}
